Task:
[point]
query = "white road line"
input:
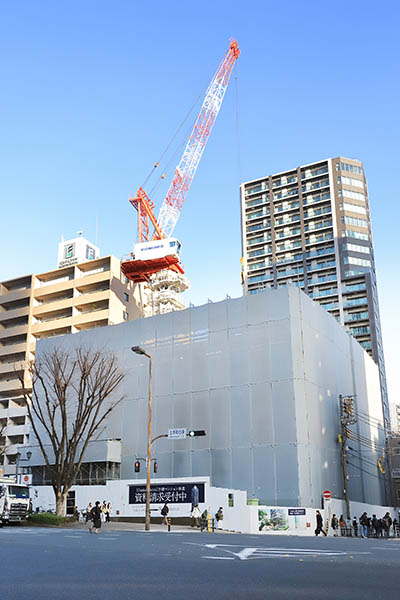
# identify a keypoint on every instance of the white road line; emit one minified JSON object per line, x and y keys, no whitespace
{"x":219,"y":557}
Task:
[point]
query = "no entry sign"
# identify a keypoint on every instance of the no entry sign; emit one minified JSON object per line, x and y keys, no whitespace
{"x":326,"y":494}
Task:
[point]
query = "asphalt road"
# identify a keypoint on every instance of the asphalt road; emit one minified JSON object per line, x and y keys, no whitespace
{"x":48,"y":564}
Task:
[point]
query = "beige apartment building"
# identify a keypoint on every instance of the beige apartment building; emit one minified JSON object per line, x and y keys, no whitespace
{"x":75,"y":297}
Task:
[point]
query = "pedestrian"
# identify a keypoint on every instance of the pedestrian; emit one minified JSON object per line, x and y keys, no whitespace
{"x":364,"y":522}
{"x":355,"y":526}
{"x":319,"y":527}
{"x":204,"y":517}
{"x":395,"y":528}
{"x":196,"y":514}
{"x":103,"y":511}
{"x":76,"y":513}
{"x":219,"y":515}
{"x":342,"y":524}
{"x":334,"y":525}
{"x":108,"y":512}
{"x":88,"y":511}
{"x":380,"y":528}
{"x":164,"y":512}
{"x":387,"y":520}
{"x":375,"y":525}
{"x":95,"y":517}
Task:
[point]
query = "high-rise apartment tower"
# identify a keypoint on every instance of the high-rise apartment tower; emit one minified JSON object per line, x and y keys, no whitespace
{"x":310,"y":227}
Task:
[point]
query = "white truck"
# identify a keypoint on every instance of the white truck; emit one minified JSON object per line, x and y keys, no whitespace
{"x":14,"y":501}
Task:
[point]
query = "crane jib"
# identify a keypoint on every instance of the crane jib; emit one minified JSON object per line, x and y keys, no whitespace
{"x":185,"y":171}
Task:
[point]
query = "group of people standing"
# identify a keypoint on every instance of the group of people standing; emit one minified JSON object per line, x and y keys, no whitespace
{"x":363,"y":527}
{"x":98,"y":514}
{"x":196,"y":516}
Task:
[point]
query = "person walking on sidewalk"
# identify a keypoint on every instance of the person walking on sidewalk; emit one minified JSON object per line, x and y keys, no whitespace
{"x":88,"y":511}
{"x":96,"y":518}
{"x":196,"y":514}
{"x":164,"y":513}
{"x":320,"y":523}
{"x":219,"y":515}
{"x":335,"y":525}
{"x":364,"y":522}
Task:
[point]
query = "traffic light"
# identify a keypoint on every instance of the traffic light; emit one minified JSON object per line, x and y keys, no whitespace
{"x":196,"y":432}
{"x":137,"y":466}
{"x":155,"y":466}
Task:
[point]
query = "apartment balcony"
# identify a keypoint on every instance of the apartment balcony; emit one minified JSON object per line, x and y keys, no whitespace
{"x":94,"y":297}
{"x":85,"y":280}
{"x":15,"y":295}
{"x":53,"y":306}
{"x":13,"y":349}
{"x":12,"y":387}
{"x":13,"y":331}
{"x":17,"y":430}
{"x":14,"y":314}
{"x":51,"y":325}
{"x":12,"y":412}
{"x":11,"y":367}
{"x":91,"y":317}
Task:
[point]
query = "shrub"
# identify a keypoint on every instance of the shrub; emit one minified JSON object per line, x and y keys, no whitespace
{"x":48,"y":519}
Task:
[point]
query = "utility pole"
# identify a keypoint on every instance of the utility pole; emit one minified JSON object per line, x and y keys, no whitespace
{"x":347,"y":417}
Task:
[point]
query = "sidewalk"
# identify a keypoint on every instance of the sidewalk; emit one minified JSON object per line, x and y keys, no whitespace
{"x":156,"y":527}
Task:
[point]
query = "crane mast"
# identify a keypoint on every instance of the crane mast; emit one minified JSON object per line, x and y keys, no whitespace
{"x":149,"y":258}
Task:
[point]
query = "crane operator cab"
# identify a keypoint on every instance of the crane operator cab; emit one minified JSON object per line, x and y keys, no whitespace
{"x":157,"y":249}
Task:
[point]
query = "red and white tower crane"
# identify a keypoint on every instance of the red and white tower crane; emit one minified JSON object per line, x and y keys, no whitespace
{"x":158,"y":250}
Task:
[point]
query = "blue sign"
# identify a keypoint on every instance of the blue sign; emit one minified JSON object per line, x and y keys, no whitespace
{"x":296,"y":511}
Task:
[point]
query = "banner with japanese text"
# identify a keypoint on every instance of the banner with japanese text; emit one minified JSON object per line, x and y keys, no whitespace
{"x":190,"y":493}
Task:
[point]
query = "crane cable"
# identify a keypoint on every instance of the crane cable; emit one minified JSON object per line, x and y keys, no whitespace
{"x":172,"y":139}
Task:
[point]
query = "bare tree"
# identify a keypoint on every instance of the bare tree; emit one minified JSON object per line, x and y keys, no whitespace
{"x":72,"y":394}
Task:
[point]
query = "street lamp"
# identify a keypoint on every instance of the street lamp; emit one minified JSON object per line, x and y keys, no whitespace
{"x":19,"y":459}
{"x":139,"y":350}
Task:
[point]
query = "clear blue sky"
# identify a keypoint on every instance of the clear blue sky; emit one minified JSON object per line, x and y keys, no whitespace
{"x":93,"y":90}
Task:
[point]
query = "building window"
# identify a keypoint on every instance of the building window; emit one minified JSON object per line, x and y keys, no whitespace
{"x":126,"y":316}
{"x":354,"y":221}
{"x":126,"y":297}
{"x":355,"y":234}
{"x":361,"y":262}
{"x":353,"y":208}
{"x":350,"y":168}
{"x":69,"y":251}
{"x":356,"y":248}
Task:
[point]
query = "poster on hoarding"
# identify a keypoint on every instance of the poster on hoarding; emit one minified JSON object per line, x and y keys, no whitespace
{"x":189,"y":493}
{"x":272,"y":519}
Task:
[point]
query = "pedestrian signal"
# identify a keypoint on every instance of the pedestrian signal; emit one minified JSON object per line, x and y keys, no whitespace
{"x":137,"y":466}
{"x":155,"y":466}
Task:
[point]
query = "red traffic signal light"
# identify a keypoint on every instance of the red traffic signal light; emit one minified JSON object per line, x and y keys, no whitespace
{"x":137,"y":466}
{"x":155,"y":466}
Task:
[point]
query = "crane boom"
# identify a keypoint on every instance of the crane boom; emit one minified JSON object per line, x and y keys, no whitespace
{"x":185,"y":171}
{"x":148,"y":257}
